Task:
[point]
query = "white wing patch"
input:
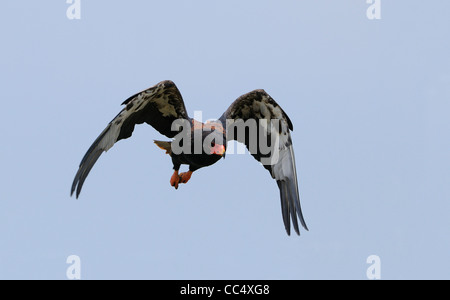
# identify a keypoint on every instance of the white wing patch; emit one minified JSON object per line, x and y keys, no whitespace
{"x":116,"y":124}
{"x":284,"y":167}
{"x":113,"y":131}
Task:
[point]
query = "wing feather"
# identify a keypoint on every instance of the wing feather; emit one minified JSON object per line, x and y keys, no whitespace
{"x":157,"y":106}
{"x":280,"y":161}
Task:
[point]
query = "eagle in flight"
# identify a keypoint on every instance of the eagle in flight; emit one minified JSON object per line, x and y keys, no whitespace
{"x":162,"y":107}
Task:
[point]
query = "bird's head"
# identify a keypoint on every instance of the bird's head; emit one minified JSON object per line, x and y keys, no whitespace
{"x":214,"y":138}
{"x":217,"y":149}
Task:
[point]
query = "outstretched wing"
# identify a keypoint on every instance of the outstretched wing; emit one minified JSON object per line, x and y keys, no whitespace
{"x":157,"y":106}
{"x":269,"y":141}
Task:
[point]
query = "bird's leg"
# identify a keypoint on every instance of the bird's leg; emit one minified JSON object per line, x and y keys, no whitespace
{"x":184,"y":177}
{"x":175,"y":179}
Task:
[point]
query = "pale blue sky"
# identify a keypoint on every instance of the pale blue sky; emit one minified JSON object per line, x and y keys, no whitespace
{"x":369,"y":100}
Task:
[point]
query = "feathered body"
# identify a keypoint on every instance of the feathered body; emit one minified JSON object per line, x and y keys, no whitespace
{"x":254,"y":119}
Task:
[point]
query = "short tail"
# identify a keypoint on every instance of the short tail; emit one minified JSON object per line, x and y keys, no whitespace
{"x":165,"y":146}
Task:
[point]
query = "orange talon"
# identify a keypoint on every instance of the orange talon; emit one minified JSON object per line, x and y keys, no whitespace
{"x":175,"y":179}
{"x":184,"y":177}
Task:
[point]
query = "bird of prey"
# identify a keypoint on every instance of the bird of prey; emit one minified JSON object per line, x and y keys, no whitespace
{"x":199,"y":145}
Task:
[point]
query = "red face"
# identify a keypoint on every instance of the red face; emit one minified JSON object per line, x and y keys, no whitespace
{"x":218,"y":149}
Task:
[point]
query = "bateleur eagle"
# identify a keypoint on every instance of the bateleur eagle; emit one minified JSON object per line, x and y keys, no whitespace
{"x":254,"y":119}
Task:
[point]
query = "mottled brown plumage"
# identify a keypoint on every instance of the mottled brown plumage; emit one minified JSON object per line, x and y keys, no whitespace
{"x":162,"y":105}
